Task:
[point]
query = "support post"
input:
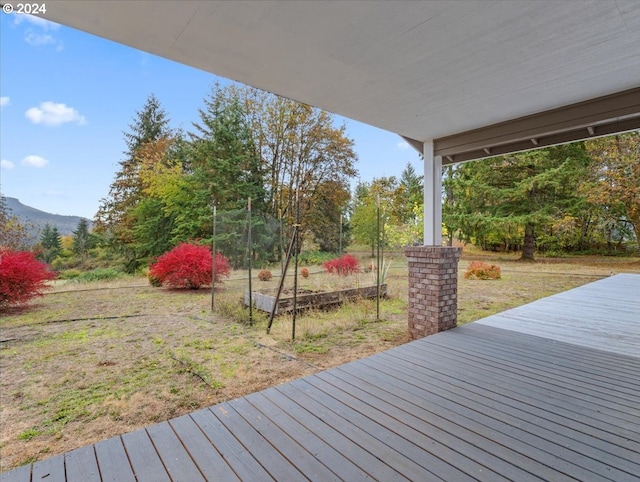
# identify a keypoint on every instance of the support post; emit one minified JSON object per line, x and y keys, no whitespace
{"x":433,"y":268}
{"x":432,"y":196}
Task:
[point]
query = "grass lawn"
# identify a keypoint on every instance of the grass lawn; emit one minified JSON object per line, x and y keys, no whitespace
{"x":89,"y":361}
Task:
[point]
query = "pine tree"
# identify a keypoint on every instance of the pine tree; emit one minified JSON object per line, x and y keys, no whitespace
{"x":50,"y":243}
{"x":114,"y":213}
{"x":409,"y":194}
{"x":81,"y":238}
{"x":225,"y":160}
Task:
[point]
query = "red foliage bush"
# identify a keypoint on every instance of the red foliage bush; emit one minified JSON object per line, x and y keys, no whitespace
{"x":346,"y":264}
{"x":480,"y":270}
{"x":264,"y":275}
{"x":188,"y":266}
{"x":304,"y":272}
{"x":22,"y":277}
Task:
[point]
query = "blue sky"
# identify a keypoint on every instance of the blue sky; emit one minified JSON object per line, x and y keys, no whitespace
{"x":67,"y":96}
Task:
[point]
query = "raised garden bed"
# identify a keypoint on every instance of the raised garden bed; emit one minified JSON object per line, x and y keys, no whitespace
{"x":307,"y":299}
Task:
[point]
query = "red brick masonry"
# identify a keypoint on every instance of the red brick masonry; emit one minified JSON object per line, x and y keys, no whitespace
{"x":433,"y":289}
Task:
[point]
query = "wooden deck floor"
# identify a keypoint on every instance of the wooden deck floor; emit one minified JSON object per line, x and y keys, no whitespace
{"x":480,"y":402}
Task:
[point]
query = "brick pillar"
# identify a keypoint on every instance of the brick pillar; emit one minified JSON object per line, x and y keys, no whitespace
{"x":433,"y":289}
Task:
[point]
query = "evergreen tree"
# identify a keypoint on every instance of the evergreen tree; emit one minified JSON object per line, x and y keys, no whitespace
{"x":409,"y":194}
{"x":81,"y":238}
{"x":116,"y":212}
{"x":225,"y":160}
{"x":150,"y":124}
{"x":50,"y":243}
{"x":513,"y":199}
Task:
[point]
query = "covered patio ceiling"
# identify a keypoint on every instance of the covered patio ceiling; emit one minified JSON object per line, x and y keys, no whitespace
{"x":454,"y":72}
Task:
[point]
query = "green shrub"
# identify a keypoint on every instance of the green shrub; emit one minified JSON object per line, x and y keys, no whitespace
{"x":314,"y":257}
{"x":481,"y":270}
{"x":99,"y":274}
{"x":70,"y":274}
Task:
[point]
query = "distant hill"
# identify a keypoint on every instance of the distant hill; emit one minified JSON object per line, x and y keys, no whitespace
{"x":35,"y":220}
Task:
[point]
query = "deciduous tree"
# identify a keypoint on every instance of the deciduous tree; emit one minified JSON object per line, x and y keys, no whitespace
{"x":13,"y":233}
{"x":614,"y":180}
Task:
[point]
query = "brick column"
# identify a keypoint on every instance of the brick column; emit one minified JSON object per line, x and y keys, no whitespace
{"x":433,"y":289}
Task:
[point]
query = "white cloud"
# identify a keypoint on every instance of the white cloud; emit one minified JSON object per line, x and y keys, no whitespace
{"x":40,"y":22}
{"x":52,"y":114}
{"x":402,"y":145}
{"x":4,"y":164}
{"x":39,"y":32}
{"x":34,"y":161}
{"x":4,"y":101}
{"x":38,"y":39}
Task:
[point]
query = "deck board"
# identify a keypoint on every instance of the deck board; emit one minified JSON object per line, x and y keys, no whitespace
{"x":49,"y":469}
{"x":211,"y":464}
{"x":506,"y":392}
{"x":241,"y":461}
{"x":21,"y":474}
{"x":279,"y":414}
{"x":462,"y":393}
{"x":604,"y":315}
{"x":312,"y":418}
{"x":538,"y":373}
{"x":273,"y":461}
{"x":177,"y":461}
{"x":288,"y":447}
{"x":145,"y":461}
{"x":547,"y":391}
{"x":436,"y":399}
{"x":113,"y":461}
{"x":81,"y":464}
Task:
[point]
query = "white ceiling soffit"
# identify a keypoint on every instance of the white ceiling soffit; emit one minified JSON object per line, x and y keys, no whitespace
{"x":422,"y":69}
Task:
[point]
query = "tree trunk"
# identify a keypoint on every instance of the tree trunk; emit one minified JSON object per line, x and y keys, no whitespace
{"x":529,"y":243}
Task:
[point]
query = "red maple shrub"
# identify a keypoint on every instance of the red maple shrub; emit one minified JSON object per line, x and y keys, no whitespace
{"x":346,"y":264}
{"x":481,"y":270}
{"x":264,"y":275}
{"x":188,"y":266}
{"x":304,"y":272}
{"x":22,"y":277}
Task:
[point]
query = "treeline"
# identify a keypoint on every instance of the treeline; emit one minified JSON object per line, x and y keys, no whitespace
{"x":288,"y":158}
{"x":295,"y":165}
{"x":575,"y":198}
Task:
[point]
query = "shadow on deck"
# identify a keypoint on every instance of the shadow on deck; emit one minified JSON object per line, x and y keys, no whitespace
{"x":546,"y":391}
